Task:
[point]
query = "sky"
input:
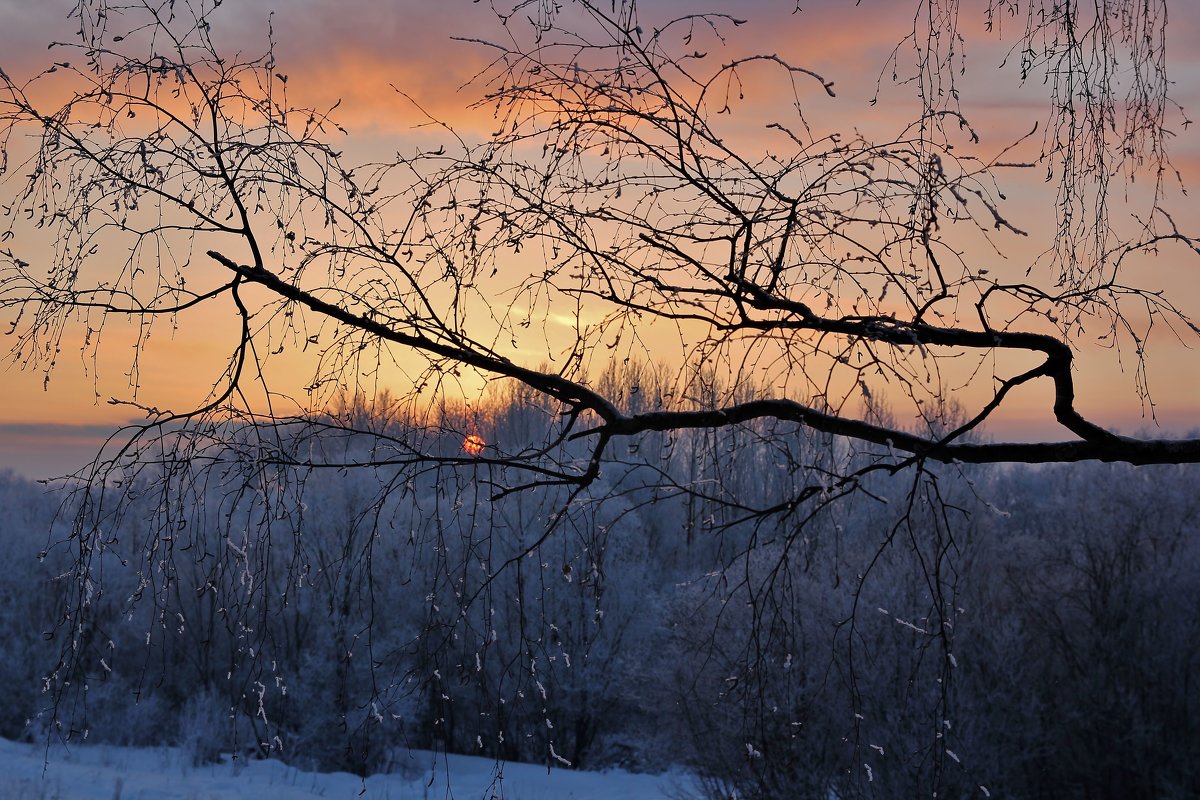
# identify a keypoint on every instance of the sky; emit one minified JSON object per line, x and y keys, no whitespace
{"x":359,"y":52}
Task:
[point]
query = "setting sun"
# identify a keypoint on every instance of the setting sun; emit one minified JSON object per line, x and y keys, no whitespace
{"x":474,"y":444}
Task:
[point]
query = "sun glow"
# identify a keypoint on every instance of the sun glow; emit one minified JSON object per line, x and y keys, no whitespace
{"x":473,"y":445}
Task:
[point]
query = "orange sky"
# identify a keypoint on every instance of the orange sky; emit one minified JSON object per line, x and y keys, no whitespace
{"x":356,"y":50}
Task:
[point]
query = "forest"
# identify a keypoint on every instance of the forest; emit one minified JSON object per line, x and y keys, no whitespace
{"x":1028,"y":631}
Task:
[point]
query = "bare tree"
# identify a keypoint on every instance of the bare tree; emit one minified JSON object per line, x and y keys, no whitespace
{"x":824,"y":266}
{"x":814,"y":282}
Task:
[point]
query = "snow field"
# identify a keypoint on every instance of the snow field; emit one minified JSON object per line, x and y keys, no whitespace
{"x":101,"y":772}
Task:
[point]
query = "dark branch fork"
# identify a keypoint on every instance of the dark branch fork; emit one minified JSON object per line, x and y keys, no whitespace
{"x":1094,"y":444}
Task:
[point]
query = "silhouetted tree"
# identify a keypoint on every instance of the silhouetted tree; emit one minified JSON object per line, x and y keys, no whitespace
{"x":820,"y":287}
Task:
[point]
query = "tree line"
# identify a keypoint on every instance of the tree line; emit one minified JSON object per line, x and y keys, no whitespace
{"x":1030,"y":631}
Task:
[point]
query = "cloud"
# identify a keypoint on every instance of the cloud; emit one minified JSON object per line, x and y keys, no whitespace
{"x":55,"y":431}
{"x":25,"y":31}
{"x":47,"y":450}
{"x":365,"y":52}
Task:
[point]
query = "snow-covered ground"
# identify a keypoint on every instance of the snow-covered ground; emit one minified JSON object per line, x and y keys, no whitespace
{"x":126,"y":773}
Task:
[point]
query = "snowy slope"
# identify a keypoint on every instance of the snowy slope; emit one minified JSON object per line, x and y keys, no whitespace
{"x":124,"y":773}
